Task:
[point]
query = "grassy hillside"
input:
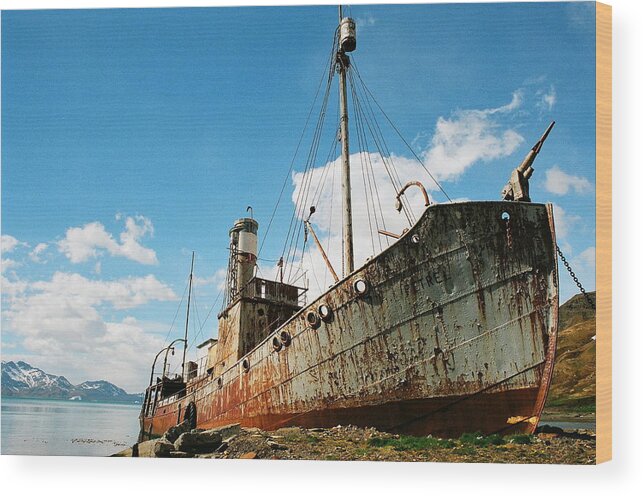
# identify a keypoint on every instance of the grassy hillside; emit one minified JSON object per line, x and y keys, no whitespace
{"x":574,"y":381}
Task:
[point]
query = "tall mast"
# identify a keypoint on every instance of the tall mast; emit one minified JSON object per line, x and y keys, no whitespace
{"x":187,"y":319}
{"x":346,"y":33}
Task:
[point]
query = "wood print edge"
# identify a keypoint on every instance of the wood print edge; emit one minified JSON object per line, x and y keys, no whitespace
{"x":603,"y":232}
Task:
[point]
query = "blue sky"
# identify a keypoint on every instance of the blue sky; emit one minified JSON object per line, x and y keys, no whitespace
{"x":132,"y":137}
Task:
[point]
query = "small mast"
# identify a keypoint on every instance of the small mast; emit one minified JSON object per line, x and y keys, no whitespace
{"x":187,"y":320}
{"x":347,"y":43}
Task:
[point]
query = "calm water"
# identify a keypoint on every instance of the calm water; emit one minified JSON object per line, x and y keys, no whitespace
{"x":52,"y":427}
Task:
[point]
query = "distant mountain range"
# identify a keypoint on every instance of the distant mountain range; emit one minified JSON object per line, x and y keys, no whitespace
{"x":19,"y":379}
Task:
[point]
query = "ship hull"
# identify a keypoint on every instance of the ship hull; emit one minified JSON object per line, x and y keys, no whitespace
{"x":454,"y":332}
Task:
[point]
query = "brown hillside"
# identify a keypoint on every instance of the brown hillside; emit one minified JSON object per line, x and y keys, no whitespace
{"x":574,"y":380}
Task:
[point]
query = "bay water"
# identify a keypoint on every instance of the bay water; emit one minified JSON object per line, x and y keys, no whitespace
{"x":63,"y":427}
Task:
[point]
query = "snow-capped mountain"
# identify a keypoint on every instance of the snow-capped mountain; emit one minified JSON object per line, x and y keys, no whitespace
{"x":21,"y":379}
{"x":104,"y":387}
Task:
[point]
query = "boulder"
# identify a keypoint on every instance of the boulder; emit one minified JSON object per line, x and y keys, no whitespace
{"x":162,"y":448}
{"x":198,"y":442}
{"x":276,"y":446}
{"x":549,"y":429}
{"x":227,"y":431}
{"x":155,"y":448}
{"x":173,"y":433}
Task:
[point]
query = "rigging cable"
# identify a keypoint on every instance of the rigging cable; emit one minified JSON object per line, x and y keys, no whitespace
{"x":302,"y":197}
{"x":390,"y":169}
{"x":176,"y":313}
{"x":292,"y":163}
{"x":400,"y":134}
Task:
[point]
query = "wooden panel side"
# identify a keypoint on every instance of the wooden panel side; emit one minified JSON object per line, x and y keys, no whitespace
{"x":603,"y":232}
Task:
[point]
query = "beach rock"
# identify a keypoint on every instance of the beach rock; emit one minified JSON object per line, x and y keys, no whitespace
{"x":145,"y":449}
{"x":251,"y":455}
{"x":127,"y":452}
{"x":162,"y":448}
{"x":173,"y":433}
{"x":276,"y":446}
{"x":149,"y":449}
{"x":198,"y":442}
{"x":227,"y":431}
{"x":548,"y":429}
{"x":252,"y":430}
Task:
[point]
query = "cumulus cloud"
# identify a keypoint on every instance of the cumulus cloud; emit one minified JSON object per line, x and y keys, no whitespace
{"x":217,"y":279}
{"x":459,"y":141}
{"x":9,"y":243}
{"x":92,"y":240}
{"x":61,"y":321}
{"x":6,"y":264}
{"x":327,"y":219}
{"x":35,"y":254}
{"x":468,"y":137}
{"x":559,"y":182}
{"x":120,"y":353}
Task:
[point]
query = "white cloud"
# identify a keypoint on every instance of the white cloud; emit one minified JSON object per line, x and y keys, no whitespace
{"x":588,"y":257}
{"x":61,"y":322}
{"x":465,"y":138}
{"x":559,"y":182}
{"x":327,"y":220}
{"x":35,"y":254}
{"x":6,"y":264}
{"x":563,"y":222}
{"x":546,"y":98}
{"x":217,"y":279}
{"x":122,"y":293}
{"x":468,"y":137}
{"x":121,"y":353}
{"x":10,"y":287}
{"x":89,"y":241}
{"x":9,"y":243}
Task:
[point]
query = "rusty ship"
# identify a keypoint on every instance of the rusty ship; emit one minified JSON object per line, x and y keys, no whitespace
{"x":450,"y":329}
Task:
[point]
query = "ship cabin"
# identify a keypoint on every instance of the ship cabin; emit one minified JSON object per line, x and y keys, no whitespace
{"x":254,"y":307}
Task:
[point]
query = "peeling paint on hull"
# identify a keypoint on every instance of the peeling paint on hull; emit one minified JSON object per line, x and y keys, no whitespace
{"x":456,"y":333}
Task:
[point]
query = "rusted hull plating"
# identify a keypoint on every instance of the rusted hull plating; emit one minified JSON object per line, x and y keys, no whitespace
{"x":456,"y":332}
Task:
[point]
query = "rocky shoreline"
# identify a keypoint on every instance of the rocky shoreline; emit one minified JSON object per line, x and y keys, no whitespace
{"x":549,"y":445}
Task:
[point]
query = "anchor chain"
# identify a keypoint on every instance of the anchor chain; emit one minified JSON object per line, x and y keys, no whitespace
{"x":573,"y":275}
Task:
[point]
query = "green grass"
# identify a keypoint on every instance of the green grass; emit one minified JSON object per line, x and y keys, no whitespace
{"x":404,"y":443}
{"x":576,"y":405}
{"x":478,"y":439}
{"x":521,"y":439}
{"x":465,"y":444}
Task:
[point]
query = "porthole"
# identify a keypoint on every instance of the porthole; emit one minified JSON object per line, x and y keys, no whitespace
{"x":361,"y":287}
{"x":415,"y":239}
{"x":313,"y":320}
{"x":276,"y":344}
{"x":245,"y":365}
{"x":505,"y":216}
{"x":285,"y":338}
{"x":325,"y":312}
